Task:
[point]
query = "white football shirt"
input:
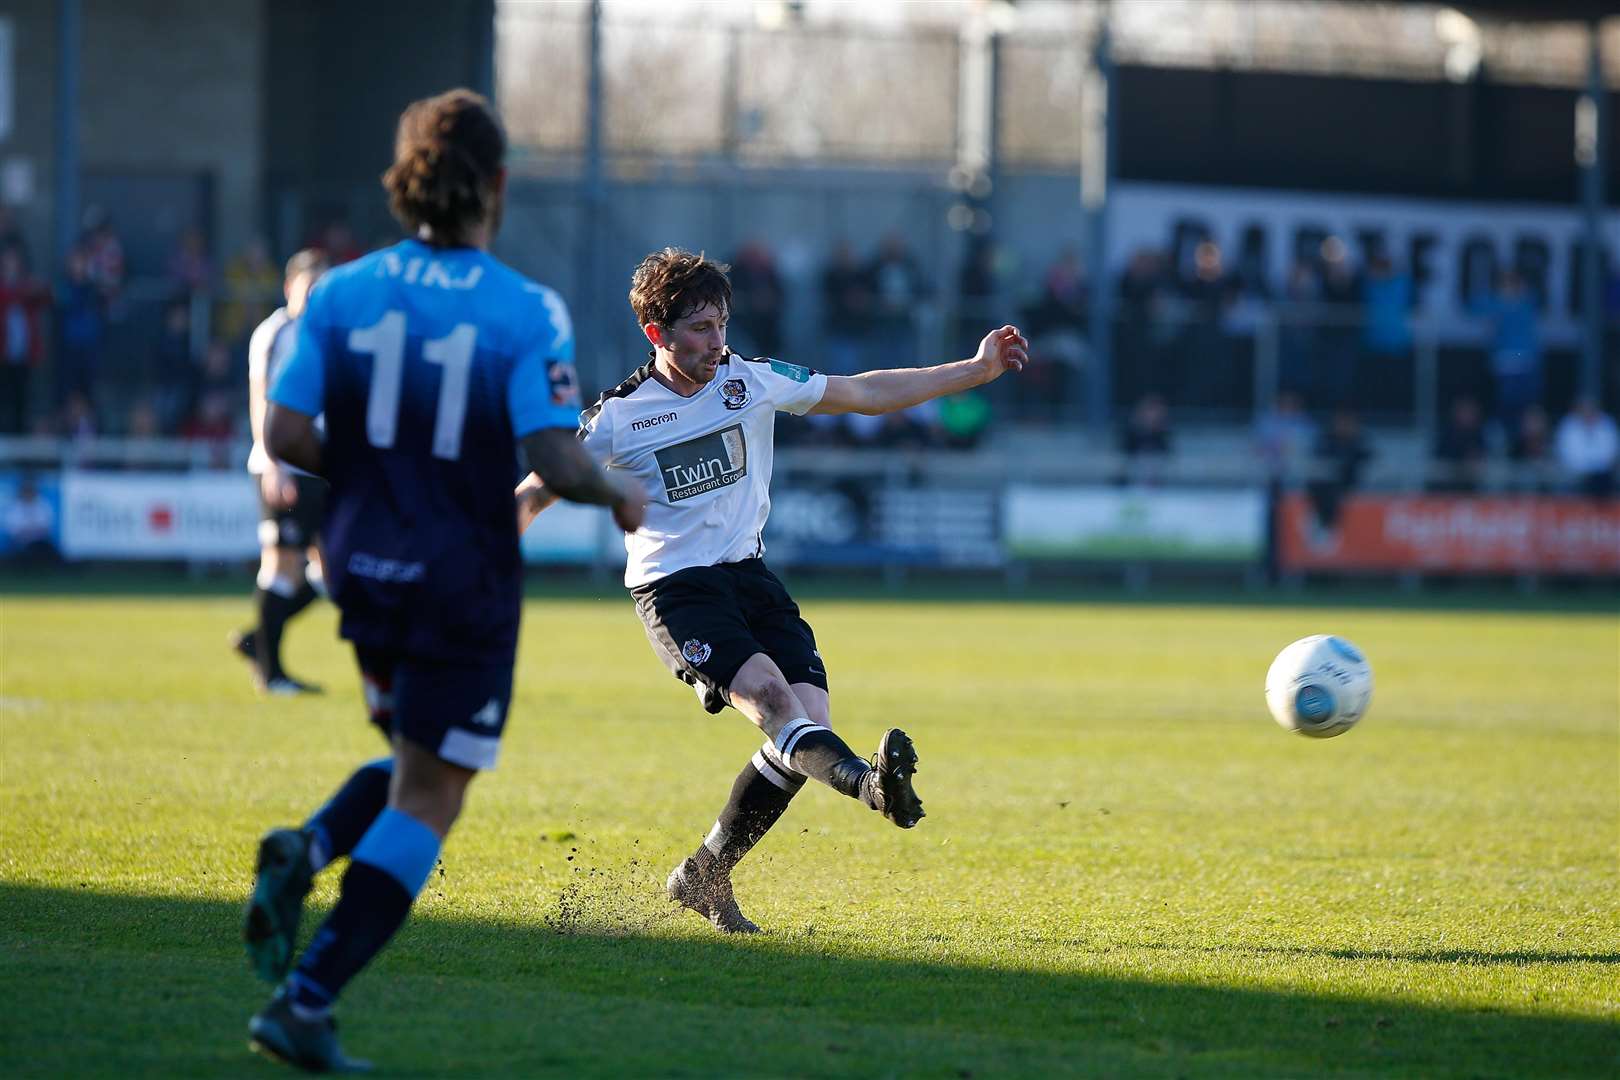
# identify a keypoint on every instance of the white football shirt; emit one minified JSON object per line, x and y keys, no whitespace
{"x":268,"y":348}
{"x":704,"y":460}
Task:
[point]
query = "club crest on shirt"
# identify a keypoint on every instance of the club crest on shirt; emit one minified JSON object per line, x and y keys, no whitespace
{"x":696,"y":651}
{"x":734,"y":393}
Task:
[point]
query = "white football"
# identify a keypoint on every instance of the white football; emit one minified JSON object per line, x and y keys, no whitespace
{"x":1319,"y":686}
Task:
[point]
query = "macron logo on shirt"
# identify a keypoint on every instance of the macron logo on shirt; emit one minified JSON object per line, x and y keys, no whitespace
{"x":652,"y":421}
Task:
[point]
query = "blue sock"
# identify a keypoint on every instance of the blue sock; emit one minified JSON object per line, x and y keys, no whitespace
{"x":340,"y":824}
{"x":389,"y":867}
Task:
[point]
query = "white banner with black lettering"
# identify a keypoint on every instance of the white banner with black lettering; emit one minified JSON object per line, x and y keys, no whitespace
{"x":1452,"y":249}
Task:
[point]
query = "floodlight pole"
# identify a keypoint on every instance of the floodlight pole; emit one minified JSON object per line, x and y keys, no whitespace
{"x":69,"y":23}
{"x":1591,"y":139}
{"x":1099,"y":141}
{"x":593,"y":197}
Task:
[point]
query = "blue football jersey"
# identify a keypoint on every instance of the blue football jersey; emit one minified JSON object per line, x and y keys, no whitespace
{"x":430,"y":365}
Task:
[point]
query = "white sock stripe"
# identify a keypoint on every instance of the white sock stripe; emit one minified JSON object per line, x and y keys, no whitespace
{"x":787,"y":751}
{"x":716,"y":840}
{"x":774,"y":756}
{"x":789,"y":730}
{"x":782,"y":778}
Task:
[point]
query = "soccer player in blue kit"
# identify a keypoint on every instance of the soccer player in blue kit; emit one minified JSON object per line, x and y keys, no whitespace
{"x":433,"y":363}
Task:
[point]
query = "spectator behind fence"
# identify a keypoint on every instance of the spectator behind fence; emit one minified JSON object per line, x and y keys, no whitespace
{"x":1460,"y":448}
{"x":1282,"y":437}
{"x":1515,"y":349}
{"x":191,"y":269}
{"x":1296,"y":336}
{"x":1145,"y":331}
{"x":1065,"y":300}
{"x":337,"y":240}
{"x":1387,"y":336}
{"x":103,"y":252}
{"x":978,"y":290}
{"x":1146,"y":442}
{"x":1341,"y":454}
{"x":1206,"y":355}
{"x":252,"y":286}
{"x":21,"y":341}
{"x":1531,"y":449}
{"x":1340,"y":333}
{"x":1588,"y":448}
{"x":80,"y":329}
{"x":29,"y":523}
{"x":899,"y":287}
{"x":846,"y":310}
{"x":174,"y":368}
{"x":12,"y":238}
{"x":756,"y":300}
{"x":78,"y":418}
{"x":963,"y":419}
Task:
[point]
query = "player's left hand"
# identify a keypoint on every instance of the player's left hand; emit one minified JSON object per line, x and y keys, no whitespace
{"x":1001,"y":351}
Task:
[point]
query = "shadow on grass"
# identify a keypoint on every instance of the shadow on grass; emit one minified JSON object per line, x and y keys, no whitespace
{"x":1466,"y":957}
{"x":138,"y":985}
{"x":1589,"y":597}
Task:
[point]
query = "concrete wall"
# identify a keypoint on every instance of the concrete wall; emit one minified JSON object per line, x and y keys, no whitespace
{"x":30,"y":145}
{"x":336,"y":79}
{"x":175,"y":86}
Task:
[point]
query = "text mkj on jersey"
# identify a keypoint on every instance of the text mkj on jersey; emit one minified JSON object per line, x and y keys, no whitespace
{"x":703,"y":464}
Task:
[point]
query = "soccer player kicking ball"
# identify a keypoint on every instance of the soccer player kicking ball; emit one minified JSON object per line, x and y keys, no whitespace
{"x":433,"y":362}
{"x":695,"y":427}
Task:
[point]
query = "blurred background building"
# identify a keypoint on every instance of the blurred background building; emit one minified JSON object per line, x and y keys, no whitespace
{"x":1282,"y":261}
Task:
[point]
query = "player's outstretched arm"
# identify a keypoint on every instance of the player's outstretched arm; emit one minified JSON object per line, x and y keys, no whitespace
{"x":290,"y":436}
{"x":569,"y":472}
{"x":877,"y":392}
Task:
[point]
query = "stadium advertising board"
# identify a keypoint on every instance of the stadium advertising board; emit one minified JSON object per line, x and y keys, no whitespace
{"x":862,"y":523}
{"x":154,"y":515}
{"x":1453,"y":249}
{"x":1454,"y":534}
{"x":1133,"y":523}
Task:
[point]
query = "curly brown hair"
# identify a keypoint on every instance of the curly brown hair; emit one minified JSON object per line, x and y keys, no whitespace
{"x":671,"y":284}
{"x":447,"y":153}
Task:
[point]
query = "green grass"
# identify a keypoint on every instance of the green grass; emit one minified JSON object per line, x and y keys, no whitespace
{"x":1127,"y":869}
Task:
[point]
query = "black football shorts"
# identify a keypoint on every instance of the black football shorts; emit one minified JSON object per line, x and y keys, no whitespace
{"x":704,"y":623}
{"x":298,"y":525}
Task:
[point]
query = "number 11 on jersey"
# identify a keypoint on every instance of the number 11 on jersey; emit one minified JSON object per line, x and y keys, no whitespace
{"x":385,"y":341}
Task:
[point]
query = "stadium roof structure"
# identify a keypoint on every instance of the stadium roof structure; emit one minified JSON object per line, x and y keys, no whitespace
{"x":1538,"y":10}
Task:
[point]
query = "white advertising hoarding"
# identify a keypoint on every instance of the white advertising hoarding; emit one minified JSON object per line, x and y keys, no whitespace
{"x":150,"y":515}
{"x":1133,"y":523}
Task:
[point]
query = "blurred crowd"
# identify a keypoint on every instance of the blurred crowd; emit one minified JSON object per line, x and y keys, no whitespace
{"x":173,"y":363}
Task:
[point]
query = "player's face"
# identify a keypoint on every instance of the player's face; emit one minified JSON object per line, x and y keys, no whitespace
{"x":696,"y":343}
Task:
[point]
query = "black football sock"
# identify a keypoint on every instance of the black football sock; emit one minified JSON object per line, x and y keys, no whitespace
{"x":275,"y":606}
{"x":759,"y":797}
{"x":338,"y":826}
{"x":820,"y":754}
{"x":388,"y":869}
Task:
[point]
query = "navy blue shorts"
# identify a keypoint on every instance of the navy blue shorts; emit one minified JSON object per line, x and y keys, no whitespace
{"x":455,"y":711}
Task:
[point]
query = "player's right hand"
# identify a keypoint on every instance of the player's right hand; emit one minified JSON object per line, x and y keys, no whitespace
{"x":631,"y":509}
{"x":280,"y":489}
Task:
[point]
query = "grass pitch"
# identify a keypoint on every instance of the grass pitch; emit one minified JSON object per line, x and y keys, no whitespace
{"x":1127,"y":869}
